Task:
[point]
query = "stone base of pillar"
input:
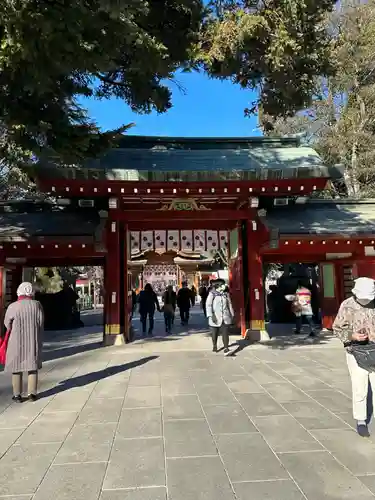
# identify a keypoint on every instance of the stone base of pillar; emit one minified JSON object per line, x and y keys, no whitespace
{"x":257,"y":331}
{"x":113,"y":335}
{"x":113,"y":339}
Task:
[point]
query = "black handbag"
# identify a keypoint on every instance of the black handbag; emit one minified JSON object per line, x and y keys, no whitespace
{"x":364,"y":355}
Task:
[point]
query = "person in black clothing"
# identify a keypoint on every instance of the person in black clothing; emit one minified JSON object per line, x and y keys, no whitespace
{"x":134,"y":302}
{"x":148,"y":302}
{"x":193,"y":295}
{"x":184,"y":303}
{"x":203,"y":292}
{"x":169,"y":301}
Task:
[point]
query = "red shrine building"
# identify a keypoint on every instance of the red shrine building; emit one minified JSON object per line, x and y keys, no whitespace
{"x":157,"y":199}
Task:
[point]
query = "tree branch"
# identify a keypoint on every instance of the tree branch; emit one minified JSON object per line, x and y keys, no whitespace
{"x":110,"y":81}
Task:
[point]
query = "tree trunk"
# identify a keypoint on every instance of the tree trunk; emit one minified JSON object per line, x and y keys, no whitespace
{"x":351,"y":179}
{"x":351,"y":173}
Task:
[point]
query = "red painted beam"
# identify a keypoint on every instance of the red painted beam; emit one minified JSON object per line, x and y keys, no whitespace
{"x":308,"y":259}
{"x":48,"y":250}
{"x":317,"y":245}
{"x":83,"y":188}
{"x":174,"y":216}
{"x":64,"y":261}
{"x":171,"y":225}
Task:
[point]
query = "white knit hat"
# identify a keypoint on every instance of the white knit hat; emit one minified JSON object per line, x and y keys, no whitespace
{"x":364,"y":288}
{"x":25,"y":289}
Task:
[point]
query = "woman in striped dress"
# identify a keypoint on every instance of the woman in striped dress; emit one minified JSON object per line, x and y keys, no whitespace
{"x":25,"y":320}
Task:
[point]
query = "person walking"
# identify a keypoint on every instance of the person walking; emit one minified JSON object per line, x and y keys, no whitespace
{"x":24,"y":319}
{"x":184,"y":303}
{"x":220,"y":314}
{"x":193,"y":295}
{"x":355,"y":325}
{"x":148,"y":302}
{"x":169,"y":307}
{"x":301,"y":306}
{"x":203,"y":292}
{"x":134,"y":303}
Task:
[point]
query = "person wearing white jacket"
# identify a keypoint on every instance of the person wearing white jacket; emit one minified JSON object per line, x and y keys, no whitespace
{"x":219,"y":313}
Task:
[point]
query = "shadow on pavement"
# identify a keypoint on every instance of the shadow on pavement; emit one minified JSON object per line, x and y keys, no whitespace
{"x":89,"y":378}
{"x":285,"y":342}
{"x":51,"y":353}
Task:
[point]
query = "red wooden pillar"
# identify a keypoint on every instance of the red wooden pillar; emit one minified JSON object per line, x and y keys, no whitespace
{"x":10,"y":279}
{"x":236,"y":282}
{"x":127,"y":285}
{"x":255,"y":281}
{"x":17,"y":273}
{"x":330,"y":294}
{"x":112,"y":328}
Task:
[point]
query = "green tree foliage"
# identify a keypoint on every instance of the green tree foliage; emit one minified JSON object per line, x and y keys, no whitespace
{"x":276,"y":46}
{"x":53,"y":53}
{"x":341,"y":121}
{"x":52,"y":279}
{"x":48,"y":279}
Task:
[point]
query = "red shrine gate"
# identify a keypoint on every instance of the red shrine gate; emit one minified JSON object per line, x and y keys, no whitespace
{"x":253,"y":190}
{"x":231,"y":226}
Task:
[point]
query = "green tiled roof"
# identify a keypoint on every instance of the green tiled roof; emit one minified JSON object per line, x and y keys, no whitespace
{"x":158,"y":159}
{"x":322,"y":217}
{"x":19,"y":226}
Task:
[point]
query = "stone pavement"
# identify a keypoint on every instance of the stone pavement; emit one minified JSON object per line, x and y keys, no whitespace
{"x":168,"y":419}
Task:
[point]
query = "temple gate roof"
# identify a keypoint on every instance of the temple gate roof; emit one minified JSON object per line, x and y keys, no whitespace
{"x":168,"y":159}
{"x":323,"y":217}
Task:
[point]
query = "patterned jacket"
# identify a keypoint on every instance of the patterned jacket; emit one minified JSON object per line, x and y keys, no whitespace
{"x":352,"y":318}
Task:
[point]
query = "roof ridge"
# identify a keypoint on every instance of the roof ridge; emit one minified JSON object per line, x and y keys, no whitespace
{"x":129,"y":141}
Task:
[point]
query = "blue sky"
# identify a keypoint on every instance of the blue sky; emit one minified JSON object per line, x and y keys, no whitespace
{"x":209,"y":108}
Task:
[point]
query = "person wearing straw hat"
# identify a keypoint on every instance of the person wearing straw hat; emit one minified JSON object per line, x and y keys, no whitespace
{"x":355,"y":325}
{"x":24,"y":319}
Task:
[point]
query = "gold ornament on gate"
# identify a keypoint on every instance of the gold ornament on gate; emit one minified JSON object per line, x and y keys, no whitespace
{"x":184,"y":205}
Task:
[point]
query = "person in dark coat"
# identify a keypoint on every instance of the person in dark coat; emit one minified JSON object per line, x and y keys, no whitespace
{"x":193,"y":295}
{"x":24,"y":320}
{"x":184,"y":303}
{"x":169,"y":307}
{"x":134,"y":303}
{"x":148,"y":302}
{"x":203,"y":292}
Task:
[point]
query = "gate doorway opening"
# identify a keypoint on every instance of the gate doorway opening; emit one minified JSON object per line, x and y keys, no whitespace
{"x":281,"y":280}
{"x":170,"y":258}
{"x":71,"y":295}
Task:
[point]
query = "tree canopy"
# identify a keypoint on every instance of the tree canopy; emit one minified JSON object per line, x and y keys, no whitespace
{"x":278,"y":46}
{"x":52,"y":54}
{"x":340,"y":123}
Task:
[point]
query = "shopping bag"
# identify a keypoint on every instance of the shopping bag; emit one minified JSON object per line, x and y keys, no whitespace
{"x":364,"y":355}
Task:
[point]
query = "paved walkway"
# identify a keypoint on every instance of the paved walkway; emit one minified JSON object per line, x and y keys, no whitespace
{"x":168,"y":419}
